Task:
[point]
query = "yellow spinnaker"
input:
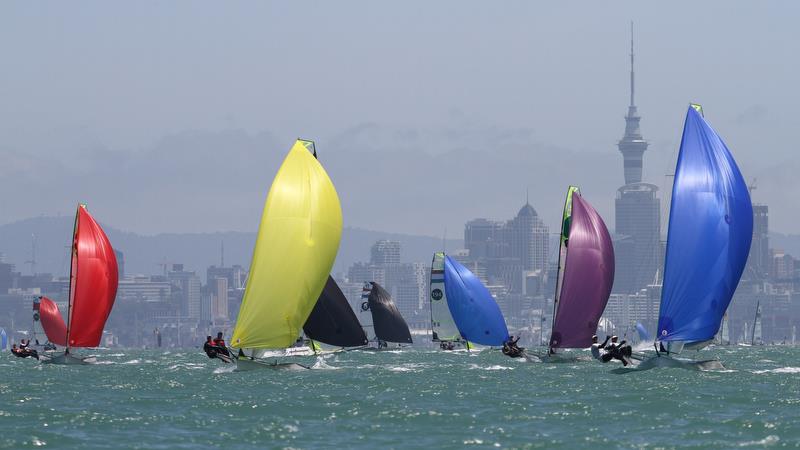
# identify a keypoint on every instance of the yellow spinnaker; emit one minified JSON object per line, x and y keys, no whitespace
{"x":295,"y":249}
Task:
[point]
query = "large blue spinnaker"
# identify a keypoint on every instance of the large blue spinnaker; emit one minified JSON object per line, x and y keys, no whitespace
{"x":473,"y":308}
{"x":710,"y":229}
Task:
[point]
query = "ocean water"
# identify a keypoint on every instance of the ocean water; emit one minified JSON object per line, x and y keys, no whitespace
{"x":399,"y":399}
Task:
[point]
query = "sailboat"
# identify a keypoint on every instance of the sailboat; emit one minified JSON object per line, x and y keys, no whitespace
{"x":387,"y":323}
{"x":584,"y":279}
{"x":3,"y":339}
{"x":463,"y":311}
{"x":755,"y":336}
{"x":296,"y":245}
{"x":332,"y":321}
{"x":92,"y":291}
{"x":710,"y":229}
{"x":724,"y":332}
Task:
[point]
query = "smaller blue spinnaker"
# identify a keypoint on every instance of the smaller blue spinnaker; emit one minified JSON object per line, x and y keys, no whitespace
{"x":643,"y":334}
{"x":3,"y":339}
{"x":473,"y":308}
{"x":710,"y":228}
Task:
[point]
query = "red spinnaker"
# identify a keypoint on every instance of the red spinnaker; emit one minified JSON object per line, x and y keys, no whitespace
{"x":52,"y":322}
{"x":94,"y":282}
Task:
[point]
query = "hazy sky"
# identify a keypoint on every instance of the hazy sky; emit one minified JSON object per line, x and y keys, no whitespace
{"x":174,"y":116}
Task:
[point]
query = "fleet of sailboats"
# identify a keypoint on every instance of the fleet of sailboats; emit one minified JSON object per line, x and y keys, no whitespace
{"x":290,"y":294}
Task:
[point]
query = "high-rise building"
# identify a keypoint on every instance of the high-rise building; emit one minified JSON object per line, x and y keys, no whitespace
{"x":385,"y":252}
{"x":220,"y":306}
{"x":637,"y":246}
{"x":527,"y":239}
{"x":186,"y":290}
{"x":484,"y":238}
{"x":506,"y":253}
{"x":120,"y":263}
{"x":759,"y":260}
{"x":362,"y":272}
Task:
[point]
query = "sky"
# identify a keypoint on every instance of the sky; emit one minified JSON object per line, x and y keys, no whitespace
{"x":174,"y":116}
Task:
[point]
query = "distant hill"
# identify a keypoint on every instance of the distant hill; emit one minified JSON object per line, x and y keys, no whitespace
{"x":144,"y":254}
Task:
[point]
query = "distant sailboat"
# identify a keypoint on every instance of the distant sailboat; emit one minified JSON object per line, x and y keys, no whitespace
{"x":388,"y":324}
{"x":3,"y":339}
{"x":585,"y":275}
{"x":93,"y":289}
{"x":471,"y":309}
{"x":443,"y":328}
{"x":296,"y":245}
{"x":724,"y":332}
{"x":710,"y":229}
{"x":755,"y":336}
{"x":332,"y":321}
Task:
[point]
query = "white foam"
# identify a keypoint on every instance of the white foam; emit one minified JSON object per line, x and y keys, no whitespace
{"x":228,"y":368}
{"x":780,"y":370}
{"x":769,"y":440}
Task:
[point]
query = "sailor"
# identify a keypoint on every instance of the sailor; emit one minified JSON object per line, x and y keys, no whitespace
{"x":210,"y":348}
{"x":618,"y":350}
{"x":510,"y":347}
{"x":18,"y":352}
{"x":597,"y":347}
{"x":220,"y":343}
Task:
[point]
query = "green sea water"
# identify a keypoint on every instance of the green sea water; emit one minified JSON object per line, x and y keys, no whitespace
{"x":399,"y":399}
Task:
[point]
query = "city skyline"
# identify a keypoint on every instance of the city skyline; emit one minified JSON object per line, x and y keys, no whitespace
{"x":551,"y":118}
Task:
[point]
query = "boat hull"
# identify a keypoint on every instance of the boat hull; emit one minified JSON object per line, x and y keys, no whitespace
{"x":67,"y":359}
{"x":545,"y":357}
{"x":247,"y":365}
{"x":671,"y":362}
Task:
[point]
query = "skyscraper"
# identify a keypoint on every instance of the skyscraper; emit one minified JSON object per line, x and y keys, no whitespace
{"x":759,"y":260}
{"x":385,"y":252}
{"x":505,"y":252}
{"x":637,"y":210}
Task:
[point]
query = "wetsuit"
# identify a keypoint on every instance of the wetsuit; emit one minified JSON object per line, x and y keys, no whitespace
{"x":210,"y":349}
{"x":221,"y":347}
{"x":597,"y":347}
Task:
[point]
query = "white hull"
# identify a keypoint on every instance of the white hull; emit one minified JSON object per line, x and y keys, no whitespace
{"x":246,"y":365}
{"x":545,"y":357}
{"x":671,"y":362}
{"x":67,"y":359}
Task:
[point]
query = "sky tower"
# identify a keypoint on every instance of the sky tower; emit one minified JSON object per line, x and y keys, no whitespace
{"x":632,"y":145}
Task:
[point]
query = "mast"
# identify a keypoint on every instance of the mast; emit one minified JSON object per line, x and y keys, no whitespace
{"x":73,"y":272}
{"x":561,"y":252}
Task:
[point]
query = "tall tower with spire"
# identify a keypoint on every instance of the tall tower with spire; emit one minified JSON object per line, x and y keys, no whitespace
{"x":632,"y":146}
{"x":637,"y":243}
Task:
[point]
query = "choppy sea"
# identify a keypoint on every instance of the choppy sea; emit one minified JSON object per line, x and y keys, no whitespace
{"x":399,"y":399}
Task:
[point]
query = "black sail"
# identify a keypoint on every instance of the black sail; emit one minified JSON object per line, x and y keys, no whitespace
{"x":386,"y":319}
{"x":332,"y":321}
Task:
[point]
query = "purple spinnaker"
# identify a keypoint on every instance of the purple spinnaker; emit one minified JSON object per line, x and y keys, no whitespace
{"x":588,"y":277}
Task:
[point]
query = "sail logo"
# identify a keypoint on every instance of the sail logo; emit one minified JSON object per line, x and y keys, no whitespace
{"x":437,"y":294}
